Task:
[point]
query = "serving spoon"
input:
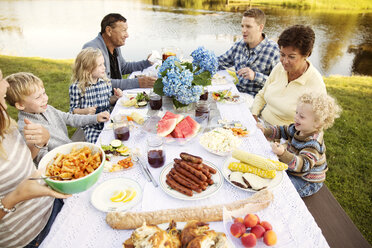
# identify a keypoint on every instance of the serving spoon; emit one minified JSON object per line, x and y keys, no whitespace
{"x":49,"y":177}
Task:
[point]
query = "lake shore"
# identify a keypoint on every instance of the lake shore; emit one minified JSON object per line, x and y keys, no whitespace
{"x":348,"y":141}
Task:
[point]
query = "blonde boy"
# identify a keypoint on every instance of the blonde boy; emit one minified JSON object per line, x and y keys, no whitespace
{"x":304,"y":149}
{"x":26,"y":92}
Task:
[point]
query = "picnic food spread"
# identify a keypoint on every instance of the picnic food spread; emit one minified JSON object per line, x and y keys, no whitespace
{"x":140,"y":100}
{"x":176,"y":126}
{"x":225,"y":96}
{"x":131,"y":220}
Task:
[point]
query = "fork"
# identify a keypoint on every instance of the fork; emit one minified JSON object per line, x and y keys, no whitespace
{"x":49,"y":177}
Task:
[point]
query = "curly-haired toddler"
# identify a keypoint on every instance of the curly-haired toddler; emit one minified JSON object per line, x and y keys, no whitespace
{"x":304,"y":149}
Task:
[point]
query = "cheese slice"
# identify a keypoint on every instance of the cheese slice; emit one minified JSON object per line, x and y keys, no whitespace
{"x":236,"y":178}
{"x":256,"y":182}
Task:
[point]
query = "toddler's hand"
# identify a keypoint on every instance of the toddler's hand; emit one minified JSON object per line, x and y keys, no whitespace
{"x":118,"y":92}
{"x":103,"y":116}
{"x":90,"y":110}
{"x":278,"y":149}
{"x":261,"y":127}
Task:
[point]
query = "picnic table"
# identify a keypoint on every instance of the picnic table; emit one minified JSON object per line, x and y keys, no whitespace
{"x":80,"y":224}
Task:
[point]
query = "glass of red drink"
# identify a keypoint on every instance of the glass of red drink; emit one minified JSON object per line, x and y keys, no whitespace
{"x":155,"y":101}
{"x":155,"y":151}
{"x":121,"y":128}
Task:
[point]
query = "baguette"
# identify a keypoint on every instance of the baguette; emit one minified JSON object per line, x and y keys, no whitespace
{"x":132,"y":220}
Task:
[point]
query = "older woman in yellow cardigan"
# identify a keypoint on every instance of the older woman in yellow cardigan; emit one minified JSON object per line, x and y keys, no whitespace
{"x":276,"y":102}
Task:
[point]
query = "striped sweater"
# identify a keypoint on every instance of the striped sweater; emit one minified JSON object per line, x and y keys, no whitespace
{"x":19,"y":228}
{"x":305,"y":156}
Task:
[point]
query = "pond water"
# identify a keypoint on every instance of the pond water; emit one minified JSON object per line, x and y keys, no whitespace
{"x":58,"y":29}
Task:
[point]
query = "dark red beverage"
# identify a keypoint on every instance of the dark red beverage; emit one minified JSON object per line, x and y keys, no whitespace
{"x":156,"y":103}
{"x":156,"y":158}
{"x":122,"y":133}
{"x":204,"y":97}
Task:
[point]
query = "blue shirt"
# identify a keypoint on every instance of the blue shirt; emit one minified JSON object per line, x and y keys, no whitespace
{"x":261,"y":59}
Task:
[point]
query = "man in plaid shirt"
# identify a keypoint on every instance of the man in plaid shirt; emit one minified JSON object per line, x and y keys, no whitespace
{"x":253,"y":57}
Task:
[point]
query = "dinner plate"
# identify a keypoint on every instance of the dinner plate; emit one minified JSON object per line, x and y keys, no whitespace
{"x":211,"y":189}
{"x":100,"y":198}
{"x":226,"y":172}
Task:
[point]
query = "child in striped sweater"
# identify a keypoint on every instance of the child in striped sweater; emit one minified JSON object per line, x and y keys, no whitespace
{"x":304,"y":149}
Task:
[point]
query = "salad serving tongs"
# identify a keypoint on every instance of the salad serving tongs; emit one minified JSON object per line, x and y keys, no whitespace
{"x":145,"y":170}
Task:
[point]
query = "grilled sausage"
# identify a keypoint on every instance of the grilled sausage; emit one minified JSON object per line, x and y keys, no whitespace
{"x":185,"y":183}
{"x":187,"y":174}
{"x":191,"y":158}
{"x":195,"y":172}
{"x":176,"y":186}
{"x":210,"y":169}
{"x":174,"y":172}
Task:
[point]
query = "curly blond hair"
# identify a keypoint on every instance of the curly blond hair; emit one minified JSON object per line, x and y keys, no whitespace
{"x":325,"y":108}
{"x":85,"y":63}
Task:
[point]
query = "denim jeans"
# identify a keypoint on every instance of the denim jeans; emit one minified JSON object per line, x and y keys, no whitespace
{"x":57,"y":206}
{"x":303,"y":187}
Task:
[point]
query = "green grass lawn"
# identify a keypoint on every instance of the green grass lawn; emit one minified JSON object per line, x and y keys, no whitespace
{"x":348,"y":142}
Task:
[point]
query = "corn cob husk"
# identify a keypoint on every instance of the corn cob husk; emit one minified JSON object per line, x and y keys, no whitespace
{"x":253,"y":159}
{"x":243,"y":167}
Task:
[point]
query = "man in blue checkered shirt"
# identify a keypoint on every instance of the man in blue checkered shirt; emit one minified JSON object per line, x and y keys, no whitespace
{"x":253,"y":57}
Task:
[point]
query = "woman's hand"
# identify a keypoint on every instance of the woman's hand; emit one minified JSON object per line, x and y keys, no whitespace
{"x":277,"y":148}
{"x":246,"y":73}
{"x":35,"y":134}
{"x":103,"y":116}
{"x":27,"y":190}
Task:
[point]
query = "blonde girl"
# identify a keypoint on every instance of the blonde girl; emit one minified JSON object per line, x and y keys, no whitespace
{"x":91,"y":92}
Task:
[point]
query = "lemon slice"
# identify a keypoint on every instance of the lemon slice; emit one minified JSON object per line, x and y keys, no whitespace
{"x":118,"y":196}
{"x":131,"y":193}
{"x":122,"y":149}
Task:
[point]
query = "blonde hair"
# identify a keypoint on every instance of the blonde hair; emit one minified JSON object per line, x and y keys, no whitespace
{"x":85,"y":63}
{"x":22,"y":84}
{"x":325,"y":108}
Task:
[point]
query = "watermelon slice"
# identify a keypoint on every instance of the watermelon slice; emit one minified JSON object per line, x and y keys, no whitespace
{"x":180,"y":129}
{"x":166,"y":126}
{"x":194,"y":127}
{"x":170,"y":115}
{"x":187,"y":128}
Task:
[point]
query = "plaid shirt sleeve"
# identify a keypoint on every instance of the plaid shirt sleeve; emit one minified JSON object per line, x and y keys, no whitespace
{"x":270,"y":56}
{"x":75,"y":96}
{"x":227,"y":59}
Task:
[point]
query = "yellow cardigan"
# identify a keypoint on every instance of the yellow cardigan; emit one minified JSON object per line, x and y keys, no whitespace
{"x":276,"y":102}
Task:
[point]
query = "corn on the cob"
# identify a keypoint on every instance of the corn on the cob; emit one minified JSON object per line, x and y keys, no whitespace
{"x":279,"y":165}
{"x":243,"y":167}
{"x":253,"y":159}
{"x":138,"y":118}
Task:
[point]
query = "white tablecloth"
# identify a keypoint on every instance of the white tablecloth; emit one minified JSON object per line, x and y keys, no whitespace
{"x":79,"y":224}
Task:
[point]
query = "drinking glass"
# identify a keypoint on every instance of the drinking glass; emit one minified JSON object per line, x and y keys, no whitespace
{"x":155,"y":151}
{"x":121,"y":128}
{"x":155,"y":101}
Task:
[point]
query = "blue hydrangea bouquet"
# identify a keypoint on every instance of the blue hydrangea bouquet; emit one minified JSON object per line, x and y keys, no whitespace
{"x":184,"y":81}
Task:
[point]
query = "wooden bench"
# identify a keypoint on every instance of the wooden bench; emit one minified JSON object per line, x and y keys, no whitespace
{"x":338,"y":229}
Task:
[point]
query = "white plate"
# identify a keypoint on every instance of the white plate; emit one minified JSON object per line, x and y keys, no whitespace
{"x":211,"y":189}
{"x":226,"y":172}
{"x":100,"y":198}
